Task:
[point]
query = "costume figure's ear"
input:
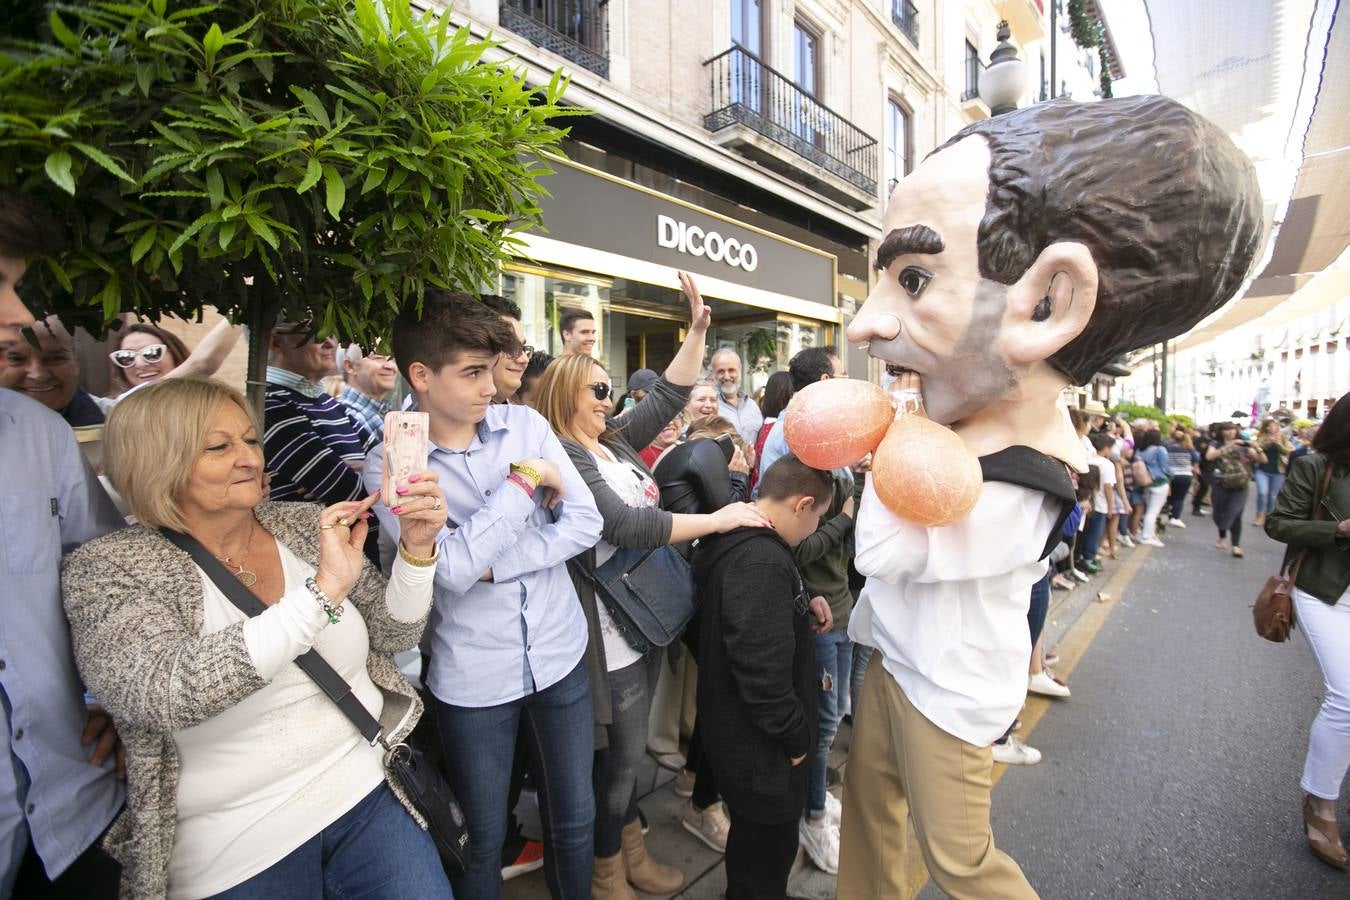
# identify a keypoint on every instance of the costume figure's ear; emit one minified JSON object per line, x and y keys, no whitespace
{"x":1050,"y":304}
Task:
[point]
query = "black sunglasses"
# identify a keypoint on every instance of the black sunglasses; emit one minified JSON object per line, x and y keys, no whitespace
{"x":601,"y":389}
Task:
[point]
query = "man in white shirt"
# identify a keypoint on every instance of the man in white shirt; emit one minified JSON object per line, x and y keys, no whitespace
{"x":1016,"y":260}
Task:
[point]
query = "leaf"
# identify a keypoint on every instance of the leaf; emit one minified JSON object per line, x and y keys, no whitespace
{"x":59,"y":273}
{"x":211,"y":44}
{"x":104,"y":160}
{"x":312,"y":105}
{"x":226,"y":233}
{"x":143,"y":245}
{"x":63,"y":34}
{"x":263,"y":230}
{"x":215,"y":187}
{"x":58,"y":167}
{"x":335,"y":190}
{"x":313,"y":172}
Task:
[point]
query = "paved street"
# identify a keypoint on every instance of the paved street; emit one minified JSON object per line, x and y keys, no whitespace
{"x":1171,"y":773}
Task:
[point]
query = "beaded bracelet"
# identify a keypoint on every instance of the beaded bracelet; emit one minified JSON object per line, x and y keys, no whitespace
{"x":334,"y":613}
{"x":523,"y":483}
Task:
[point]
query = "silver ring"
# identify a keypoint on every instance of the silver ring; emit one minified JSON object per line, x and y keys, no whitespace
{"x":436,"y":503}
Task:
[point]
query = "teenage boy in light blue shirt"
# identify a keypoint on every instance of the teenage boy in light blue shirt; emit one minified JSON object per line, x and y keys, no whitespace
{"x":507,"y":631}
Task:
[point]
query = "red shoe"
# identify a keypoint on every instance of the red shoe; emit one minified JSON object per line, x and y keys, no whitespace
{"x":529,"y":859}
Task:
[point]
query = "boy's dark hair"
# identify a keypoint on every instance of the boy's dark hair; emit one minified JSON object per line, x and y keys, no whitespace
{"x":809,"y":364}
{"x":500,"y":305}
{"x":1088,"y":482}
{"x":570,"y":316}
{"x":1100,"y":440}
{"x":449,"y":323}
{"x":25,"y":230}
{"x":533,"y":369}
{"x":790,"y":477}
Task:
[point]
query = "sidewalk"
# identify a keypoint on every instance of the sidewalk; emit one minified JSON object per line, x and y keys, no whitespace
{"x":704,"y":877}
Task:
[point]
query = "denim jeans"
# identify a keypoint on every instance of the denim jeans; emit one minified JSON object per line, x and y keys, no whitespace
{"x":1267,"y":489}
{"x":834,"y":661}
{"x":1092,"y":536}
{"x":862,"y":655}
{"x":559,"y":732}
{"x":1040,"y":606}
{"x":616,"y":766}
{"x":375,"y":850}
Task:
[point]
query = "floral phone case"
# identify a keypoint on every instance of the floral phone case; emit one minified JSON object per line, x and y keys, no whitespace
{"x":405,"y":450}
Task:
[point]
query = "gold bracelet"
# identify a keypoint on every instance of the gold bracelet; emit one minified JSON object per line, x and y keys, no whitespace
{"x":528,"y":472}
{"x":419,"y":561}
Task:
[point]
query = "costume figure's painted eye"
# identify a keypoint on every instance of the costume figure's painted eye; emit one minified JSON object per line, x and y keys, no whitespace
{"x":913,"y":279}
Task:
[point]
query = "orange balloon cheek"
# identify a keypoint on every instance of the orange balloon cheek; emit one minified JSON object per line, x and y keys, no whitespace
{"x":837,"y":422}
{"x":924,"y":473}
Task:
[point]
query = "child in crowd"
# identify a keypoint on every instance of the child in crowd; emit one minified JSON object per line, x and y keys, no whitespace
{"x":757,"y":683}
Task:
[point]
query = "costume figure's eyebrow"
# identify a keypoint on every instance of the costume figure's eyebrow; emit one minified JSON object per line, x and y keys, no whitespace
{"x":910,"y":239}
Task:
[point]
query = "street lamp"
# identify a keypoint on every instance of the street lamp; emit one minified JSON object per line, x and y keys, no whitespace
{"x":1002,"y":83}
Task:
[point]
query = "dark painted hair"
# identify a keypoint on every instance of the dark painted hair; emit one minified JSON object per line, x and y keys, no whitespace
{"x":777,"y":393}
{"x":1167,"y":204}
{"x":501,"y":306}
{"x":790,"y":477}
{"x":809,"y":364}
{"x":1333,"y":435}
{"x":448,"y":323}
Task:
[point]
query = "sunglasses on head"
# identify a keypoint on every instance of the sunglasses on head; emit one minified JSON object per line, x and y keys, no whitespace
{"x":125,"y":359}
{"x":601,"y":389}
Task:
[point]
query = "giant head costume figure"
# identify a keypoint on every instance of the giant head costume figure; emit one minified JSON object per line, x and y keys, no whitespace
{"x":1033,"y":248}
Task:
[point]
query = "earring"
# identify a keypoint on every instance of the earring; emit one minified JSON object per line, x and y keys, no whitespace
{"x":1042,"y":310}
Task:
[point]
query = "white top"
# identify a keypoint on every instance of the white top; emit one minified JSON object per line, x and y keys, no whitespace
{"x":263,"y":777}
{"x":947,"y":607}
{"x":1107,"y":472}
{"x":637,"y":489}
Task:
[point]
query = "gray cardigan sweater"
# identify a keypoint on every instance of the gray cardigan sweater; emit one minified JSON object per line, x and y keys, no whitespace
{"x":624,"y":526}
{"x":135,"y":606}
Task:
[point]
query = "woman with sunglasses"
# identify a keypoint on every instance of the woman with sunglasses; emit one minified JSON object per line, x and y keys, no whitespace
{"x":575,"y":396}
{"x":146,"y":353}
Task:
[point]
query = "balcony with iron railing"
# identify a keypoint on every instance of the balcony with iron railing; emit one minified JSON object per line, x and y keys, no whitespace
{"x":577,"y":30}
{"x":905,"y":15}
{"x":752,"y":102}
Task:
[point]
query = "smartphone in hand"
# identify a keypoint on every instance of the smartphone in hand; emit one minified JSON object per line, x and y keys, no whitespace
{"x":405,"y":450}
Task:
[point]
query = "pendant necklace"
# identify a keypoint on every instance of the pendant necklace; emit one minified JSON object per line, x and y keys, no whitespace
{"x":246,"y":578}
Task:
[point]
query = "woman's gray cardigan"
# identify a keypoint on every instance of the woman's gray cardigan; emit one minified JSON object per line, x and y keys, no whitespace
{"x":624,"y":525}
{"x":135,"y":606}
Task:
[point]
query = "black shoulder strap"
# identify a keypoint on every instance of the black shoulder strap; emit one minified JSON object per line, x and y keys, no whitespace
{"x":1035,"y":470}
{"x":313,"y":665}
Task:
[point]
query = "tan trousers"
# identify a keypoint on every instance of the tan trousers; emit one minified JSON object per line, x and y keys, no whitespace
{"x":673,"y":704}
{"x":899,"y":761}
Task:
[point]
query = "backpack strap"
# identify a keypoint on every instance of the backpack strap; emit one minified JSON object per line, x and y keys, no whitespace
{"x":1036,"y":471}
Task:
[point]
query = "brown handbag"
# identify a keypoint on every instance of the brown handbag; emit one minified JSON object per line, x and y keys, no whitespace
{"x":1273,"y":611}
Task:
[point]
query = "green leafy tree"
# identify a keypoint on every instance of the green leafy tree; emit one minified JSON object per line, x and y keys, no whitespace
{"x":314,"y":160}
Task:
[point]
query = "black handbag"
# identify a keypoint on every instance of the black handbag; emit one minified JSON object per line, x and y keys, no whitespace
{"x":648,"y":591}
{"x":424,"y":785}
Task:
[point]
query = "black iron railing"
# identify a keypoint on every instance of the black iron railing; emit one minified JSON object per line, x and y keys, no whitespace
{"x":746,"y":91}
{"x":905,"y":15}
{"x":973,"y":69}
{"x":574,"y":29}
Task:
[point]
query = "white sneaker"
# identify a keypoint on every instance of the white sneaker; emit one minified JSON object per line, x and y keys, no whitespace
{"x":1046,"y":684}
{"x":711,"y":826}
{"x":1151,"y":542}
{"x":1013,"y":752}
{"x":1080,"y":575}
{"x":1175,"y":523}
{"x":834,"y":810}
{"x":820,"y":840}
{"x":1125,"y":540}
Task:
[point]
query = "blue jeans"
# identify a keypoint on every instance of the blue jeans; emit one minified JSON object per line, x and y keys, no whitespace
{"x":375,"y":850}
{"x":862,"y":655}
{"x":1267,"y":489}
{"x":834,"y":661}
{"x":617,"y":766}
{"x":479,"y":742}
{"x":1092,"y":536}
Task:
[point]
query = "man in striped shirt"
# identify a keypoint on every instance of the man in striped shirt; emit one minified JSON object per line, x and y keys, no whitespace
{"x":313,"y":447}
{"x":370,"y":378}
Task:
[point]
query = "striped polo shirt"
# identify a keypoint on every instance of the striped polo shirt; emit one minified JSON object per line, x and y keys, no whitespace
{"x":308,"y":439}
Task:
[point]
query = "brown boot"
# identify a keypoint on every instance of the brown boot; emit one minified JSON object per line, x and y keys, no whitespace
{"x":608,"y":881}
{"x":646,"y":874}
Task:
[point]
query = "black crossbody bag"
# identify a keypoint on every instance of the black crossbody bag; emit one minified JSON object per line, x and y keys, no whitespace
{"x":425,"y":786}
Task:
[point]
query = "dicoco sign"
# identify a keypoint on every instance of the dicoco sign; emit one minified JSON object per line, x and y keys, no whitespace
{"x":695,"y":241}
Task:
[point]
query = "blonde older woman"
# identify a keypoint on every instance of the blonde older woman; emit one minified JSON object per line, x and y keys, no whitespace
{"x":244,"y":779}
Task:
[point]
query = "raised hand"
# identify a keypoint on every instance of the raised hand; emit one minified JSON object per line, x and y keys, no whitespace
{"x":420,"y":507}
{"x":700,"y":317}
{"x":342,"y":539}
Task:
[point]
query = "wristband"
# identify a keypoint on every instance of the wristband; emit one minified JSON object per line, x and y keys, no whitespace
{"x":334,"y":613}
{"x":529,"y":472}
{"x":420,"y":561}
{"x":521,"y":482}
